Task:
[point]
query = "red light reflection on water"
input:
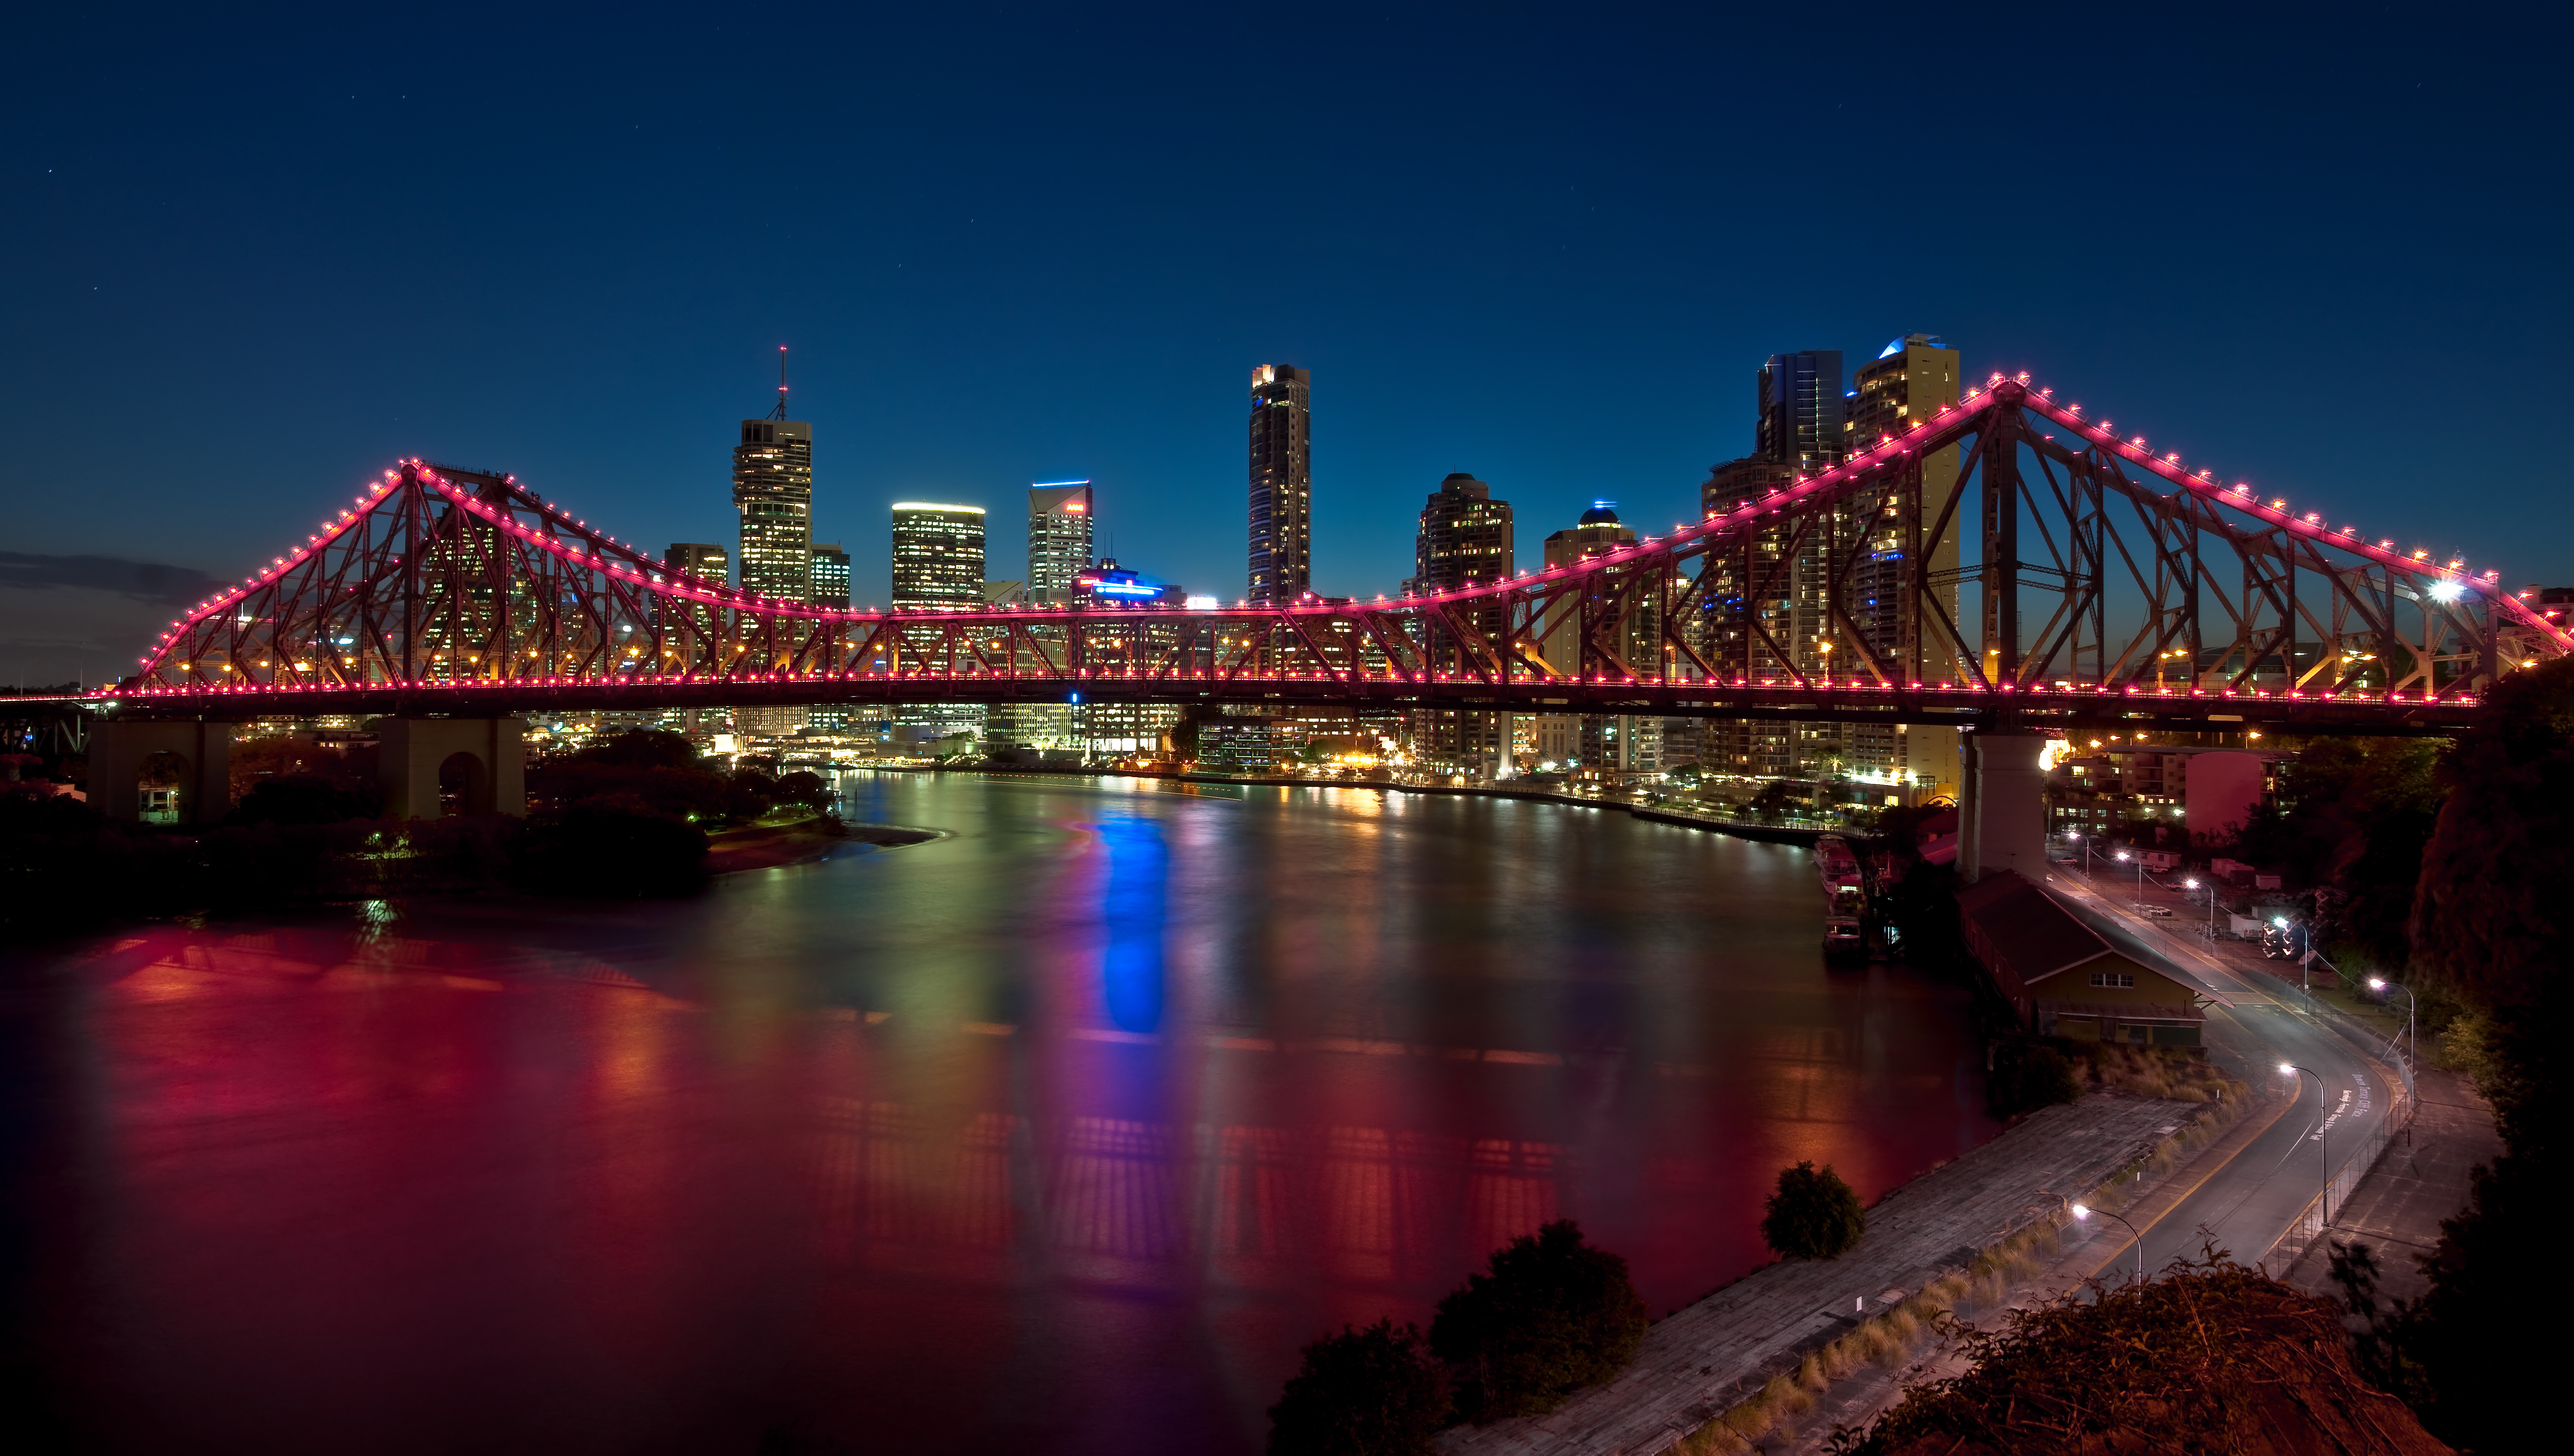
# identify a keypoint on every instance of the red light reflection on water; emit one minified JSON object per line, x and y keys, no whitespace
{"x":1050,"y":1138}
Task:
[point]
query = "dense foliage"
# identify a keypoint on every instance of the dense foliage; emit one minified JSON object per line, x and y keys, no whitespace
{"x":1813,"y":1215}
{"x":1553,"y":1315}
{"x":2352,"y":821}
{"x":2028,"y":1076}
{"x":2489,"y":926}
{"x":1362,"y":1392}
{"x":2210,"y":1356}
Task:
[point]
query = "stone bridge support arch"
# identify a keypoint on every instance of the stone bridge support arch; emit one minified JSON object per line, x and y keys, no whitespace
{"x":117,"y":748}
{"x":413,"y":750}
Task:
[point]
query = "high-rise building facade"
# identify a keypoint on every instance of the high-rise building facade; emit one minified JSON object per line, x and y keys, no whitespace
{"x":1060,"y":531}
{"x":1801,"y":409}
{"x":937,"y":563}
{"x":709,"y":563}
{"x":1282,"y":483}
{"x":772,"y":489}
{"x":1465,"y":539}
{"x":937,"y":555}
{"x":1912,"y":378}
{"x":830,"y":580}
{"x":1601,"y":744}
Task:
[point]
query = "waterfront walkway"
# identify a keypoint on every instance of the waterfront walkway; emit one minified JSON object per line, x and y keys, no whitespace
{"x":1707,"y":1357}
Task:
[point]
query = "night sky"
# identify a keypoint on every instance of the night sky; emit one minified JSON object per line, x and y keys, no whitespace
{"x":248,"y":263}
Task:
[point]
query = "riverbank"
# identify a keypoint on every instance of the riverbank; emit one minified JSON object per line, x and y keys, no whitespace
{"x":1964,"y":1219}
{"x":1739,"y":828}
{"x":799,"y":842}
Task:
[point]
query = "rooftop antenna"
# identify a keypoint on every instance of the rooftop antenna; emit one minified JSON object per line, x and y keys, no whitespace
{"x":781,"y":411}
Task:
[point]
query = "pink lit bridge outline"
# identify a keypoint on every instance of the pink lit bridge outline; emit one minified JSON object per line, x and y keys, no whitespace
{"x":449,"y":591}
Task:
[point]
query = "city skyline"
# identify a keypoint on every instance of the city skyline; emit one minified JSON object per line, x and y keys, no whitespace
{"x":969,"y":312}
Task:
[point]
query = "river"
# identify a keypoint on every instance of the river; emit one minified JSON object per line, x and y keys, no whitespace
{"x":1059,"y":1132}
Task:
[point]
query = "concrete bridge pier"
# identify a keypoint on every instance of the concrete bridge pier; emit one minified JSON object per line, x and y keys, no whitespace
{"x":2002,"y":814}
{"x":489,"y":753}
{"x":189,"y":759}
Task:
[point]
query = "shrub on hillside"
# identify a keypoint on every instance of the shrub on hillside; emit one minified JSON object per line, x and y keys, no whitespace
{"x":615,"y":847}
{"x":2027,"y":1077}
{"x":1362,"y":1392}
{"x":1813,"y":1215}
{"x":1554,"y":1315}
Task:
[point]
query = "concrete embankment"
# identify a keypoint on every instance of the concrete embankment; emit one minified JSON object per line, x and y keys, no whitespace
{"x":1705,"y":1359}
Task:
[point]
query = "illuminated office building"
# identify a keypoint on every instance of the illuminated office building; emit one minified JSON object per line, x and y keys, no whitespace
{"x":1060,"y":530}
{"x":772,"y":489}
{"x":937,"y":563}
{"x":1464,"y":540}
{"x":1282,"y":483}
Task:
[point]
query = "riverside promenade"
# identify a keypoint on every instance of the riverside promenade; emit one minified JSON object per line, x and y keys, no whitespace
{"x":1708,"y":1357}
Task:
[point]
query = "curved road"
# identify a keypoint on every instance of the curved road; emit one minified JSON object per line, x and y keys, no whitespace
{"x":2246,"y":1203}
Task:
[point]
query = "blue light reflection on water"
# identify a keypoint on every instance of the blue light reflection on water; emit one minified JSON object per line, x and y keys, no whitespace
{"x":1059,"y":1132}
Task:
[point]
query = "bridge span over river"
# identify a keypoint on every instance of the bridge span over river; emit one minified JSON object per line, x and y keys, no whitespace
{"x":2113,"y":584}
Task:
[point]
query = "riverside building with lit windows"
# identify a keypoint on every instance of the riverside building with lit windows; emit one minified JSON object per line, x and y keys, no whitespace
{"x":1282,"y":483}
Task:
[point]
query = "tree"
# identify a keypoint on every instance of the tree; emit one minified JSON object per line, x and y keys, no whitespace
{"x":1554,"y":1315}
{"x":1362,"y":1392}
{"x":1771,"y":804}
{"x":1813,"y":1215}
{"x":2489,"y":920}
{"x":2027,"y":1077}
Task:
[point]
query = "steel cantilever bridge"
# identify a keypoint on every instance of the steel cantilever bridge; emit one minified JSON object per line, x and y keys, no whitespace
{"x":451,"y":592}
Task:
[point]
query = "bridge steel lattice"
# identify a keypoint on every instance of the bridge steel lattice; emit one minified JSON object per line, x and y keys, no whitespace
{"x":2100,"y":566}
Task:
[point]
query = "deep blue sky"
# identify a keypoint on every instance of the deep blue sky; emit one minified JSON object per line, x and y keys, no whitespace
{"x":246,"y":262}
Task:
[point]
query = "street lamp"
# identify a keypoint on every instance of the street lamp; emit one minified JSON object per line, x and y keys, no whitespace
{"x":2211,"y":905}
{"x":2081,"y":1212}
{"x":2290,"y":1068}
{"x":2078,"y":838}
{"x":2124,"y":856}
{"x":2412,"y":1048}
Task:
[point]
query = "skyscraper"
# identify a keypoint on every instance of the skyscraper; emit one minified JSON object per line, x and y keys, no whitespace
{"x":1465,"y":536}
{"x":1059,"y":539}
{"x":830,"y":576}
{"x":1801,"y":409}
{"x":937,"y":555}
{"x":1612,"y":745}
{"x":772,"y":487}
{"x":1775,"y":592}
{"x":700,"y":559}
{"x":938,"y":563}
{"x":1465,"y":539}
{"x":1282,"y":483}
{"x":1912,"y":378}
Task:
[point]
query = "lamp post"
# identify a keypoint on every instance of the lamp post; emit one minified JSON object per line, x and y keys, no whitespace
{"x":2122,"y":856}
{"x":2082,"y":1212}
{"x":2290,"y":1068}
{"x":2211,"y":905}
{"x":2413,"y":1049}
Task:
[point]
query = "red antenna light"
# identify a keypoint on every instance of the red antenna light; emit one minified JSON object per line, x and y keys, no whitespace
{"x":781,"y":411}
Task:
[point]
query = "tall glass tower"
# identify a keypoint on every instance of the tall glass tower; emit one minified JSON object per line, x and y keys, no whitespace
{"x":1282,"y":483}
{"x":1059,"y":539}
{"x":772,"y":487}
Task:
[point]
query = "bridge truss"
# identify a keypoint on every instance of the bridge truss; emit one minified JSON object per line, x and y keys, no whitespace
{"x":2108,"y":581}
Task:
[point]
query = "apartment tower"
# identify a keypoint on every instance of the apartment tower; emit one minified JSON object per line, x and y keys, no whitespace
{"x":1282,"y":483}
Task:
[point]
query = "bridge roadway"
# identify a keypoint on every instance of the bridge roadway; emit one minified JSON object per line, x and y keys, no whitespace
{"x":1965,"y":706}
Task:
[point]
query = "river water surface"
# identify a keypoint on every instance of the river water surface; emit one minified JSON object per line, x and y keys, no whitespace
{"x":1058,"y":1134}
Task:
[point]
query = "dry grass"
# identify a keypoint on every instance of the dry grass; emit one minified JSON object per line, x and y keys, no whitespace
{"x":1889,"y":1338}
{"x":2168,"y":1073}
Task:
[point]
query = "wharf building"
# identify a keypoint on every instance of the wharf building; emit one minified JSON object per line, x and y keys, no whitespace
{"x":1464,"y":540}
{"x":1282,"y":483}
{"x":937,"y":566}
